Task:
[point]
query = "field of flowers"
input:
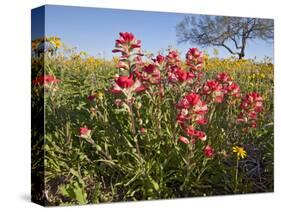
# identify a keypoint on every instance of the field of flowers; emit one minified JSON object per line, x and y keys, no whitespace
{"x":143,"y":127}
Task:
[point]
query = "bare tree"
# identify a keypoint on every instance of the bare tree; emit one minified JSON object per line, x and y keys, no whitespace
{"x":232,"y":33}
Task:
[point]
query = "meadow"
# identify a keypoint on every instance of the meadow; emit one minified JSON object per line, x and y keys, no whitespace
{"x":147,"y":127}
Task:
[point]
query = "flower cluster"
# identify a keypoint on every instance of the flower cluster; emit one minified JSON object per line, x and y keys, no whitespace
{"x":191,"y":111}
{"x":126,"y":85}
{"x":199,"y":94}
{"x":216,"y":90}
{"x":175,"y":72}
{"x":194,"y":59}
{"x":251,"y":106}
{"x":45,"y":80}
{"x":150,"y":74}
{"x":126,"y":44}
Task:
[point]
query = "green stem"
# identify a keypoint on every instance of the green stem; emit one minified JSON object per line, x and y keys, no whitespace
{"x":236,"y":175}
{"x":91,"y":141}
{"x":133,"y":128}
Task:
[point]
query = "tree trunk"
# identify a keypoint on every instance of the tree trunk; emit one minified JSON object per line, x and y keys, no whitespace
{"x":241,"y":55}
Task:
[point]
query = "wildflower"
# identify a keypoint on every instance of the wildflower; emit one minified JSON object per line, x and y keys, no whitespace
{"x":173,"y":58}
{"x":56,"y":42}
{"x":84,"y":132}
{"x":183,"y":140}
{"x":143,"y":130}
{"x":125,"y":81}
{"x":215,"y":90}
{"x":250,"y":106}
{"x":208,"y":151}
{"x":160,"y":59}
{"x":200,"y":119}
{"x":191,"y":131}
{"x":45,"y":79}
{"x":177,"y":74}
{"x":150,"y":74}
{"x":223,"y":77}
{"x":194,"y":59}
{"x":240,"y":152}
{"x":149,"y":68}
{"x":127,"y":38}
{"x":201,"y":135}
{"x":127,"y":85}
{"x":233,"y":89}
{"x":126,"y":44}
{"x":189,"y":100}
{"x":192,"y":110}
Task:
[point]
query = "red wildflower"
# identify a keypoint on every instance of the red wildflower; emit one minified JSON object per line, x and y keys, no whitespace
{"x":128,"y":39}
{"x":176,"y":74}
{"x":126,"y":44}
{"x":160,"y":58}
{"x":150,"y":73}
{"x":250,"y":106}
{"x":201,"y":135}
{"x":125,"y":81}
{"x":223,"y":77}
{"x":84,"y":132}
{"x":183,"y":140}
{"x":201,"y":120}
{"x":233,"y":89}
{"x":127,"y":84}
{"x":173,"y":58}
{"x":45,"y":79}
{"x":194,"y":59}
{"x":191,"y":131}
{"x":192,"y":98}
{"x":180,"y":118}
{"x":215,"y":89}
{"x":208,"y":151}
{"x":252,"y":101}
{"x":149,"y":68}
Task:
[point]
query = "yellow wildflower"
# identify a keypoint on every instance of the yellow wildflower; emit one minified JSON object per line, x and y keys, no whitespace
{"x":240,"y":152}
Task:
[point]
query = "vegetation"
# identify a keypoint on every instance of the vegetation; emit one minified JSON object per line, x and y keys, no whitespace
{"x":155,"y":128}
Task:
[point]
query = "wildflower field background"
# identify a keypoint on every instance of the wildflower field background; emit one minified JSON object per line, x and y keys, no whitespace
{"x":143,"y":127}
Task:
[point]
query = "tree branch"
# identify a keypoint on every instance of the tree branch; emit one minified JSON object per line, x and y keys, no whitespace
{"x":235,"y":42}
{"x":228,"y":48}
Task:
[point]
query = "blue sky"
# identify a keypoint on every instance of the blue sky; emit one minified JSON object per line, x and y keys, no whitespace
{"x":94,"y":30}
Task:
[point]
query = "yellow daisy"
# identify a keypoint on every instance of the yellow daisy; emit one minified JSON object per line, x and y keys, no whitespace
{"x":240,"y":152}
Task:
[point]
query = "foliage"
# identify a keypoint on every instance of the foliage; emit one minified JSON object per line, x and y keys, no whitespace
{"x":231,"y":33}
